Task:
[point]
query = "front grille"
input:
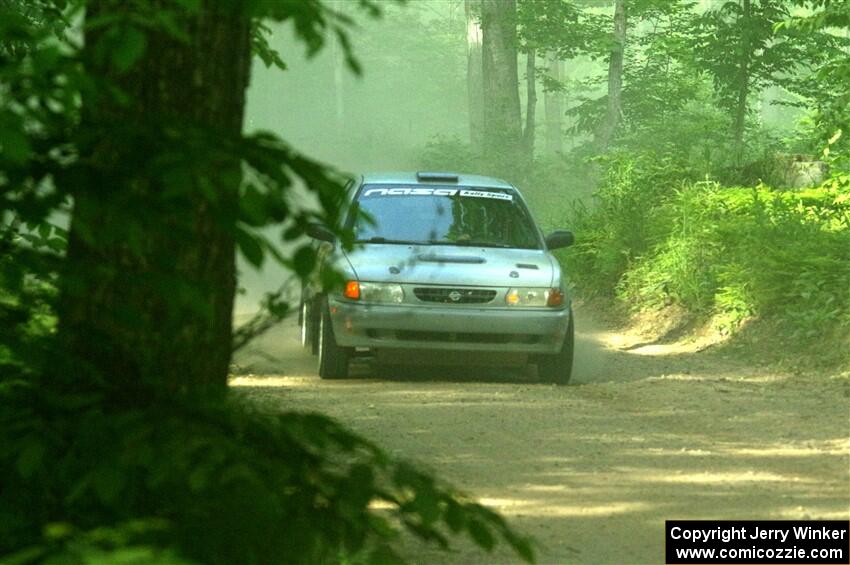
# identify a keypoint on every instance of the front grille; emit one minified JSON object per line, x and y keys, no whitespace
{"x":454,"y":295}
{"x":464,"y":337}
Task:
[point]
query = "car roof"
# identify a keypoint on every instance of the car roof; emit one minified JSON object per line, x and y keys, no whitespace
{"x":411,"y":178}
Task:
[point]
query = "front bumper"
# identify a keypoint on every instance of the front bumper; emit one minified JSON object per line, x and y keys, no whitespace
{"x":459,"y":328}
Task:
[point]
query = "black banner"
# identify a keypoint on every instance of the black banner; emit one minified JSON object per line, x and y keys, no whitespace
{"x":813,"y":542}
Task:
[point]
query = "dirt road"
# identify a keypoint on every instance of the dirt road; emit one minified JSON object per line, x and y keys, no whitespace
{"x":647,"y":432}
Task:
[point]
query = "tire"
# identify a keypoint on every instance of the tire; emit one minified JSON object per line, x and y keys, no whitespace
{"x":333,"y":359}
{"x":309,"y":335}
{"x":558,"y":367}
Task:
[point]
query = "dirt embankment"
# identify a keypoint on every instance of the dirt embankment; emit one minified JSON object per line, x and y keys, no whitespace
{"x":647,"y":432}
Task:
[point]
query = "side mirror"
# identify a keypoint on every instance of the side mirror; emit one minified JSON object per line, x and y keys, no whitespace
{"x":559,"y":239}
{"x":320,"y":232}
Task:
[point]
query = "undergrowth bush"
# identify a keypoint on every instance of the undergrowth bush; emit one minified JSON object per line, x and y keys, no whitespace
{"x":140,"y":478}
{"x":732,"y":253}
{"x":627,"y":217}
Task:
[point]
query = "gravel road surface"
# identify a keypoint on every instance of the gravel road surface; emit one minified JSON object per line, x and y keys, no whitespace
{"x":646,"y":432}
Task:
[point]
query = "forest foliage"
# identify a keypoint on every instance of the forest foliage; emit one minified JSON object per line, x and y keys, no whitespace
{"x":731,"y":253}
{"x":724,"y":186}
{"x":110,"y":449}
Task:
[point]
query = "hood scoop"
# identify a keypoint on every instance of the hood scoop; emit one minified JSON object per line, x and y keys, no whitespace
{"x":435,"y":258}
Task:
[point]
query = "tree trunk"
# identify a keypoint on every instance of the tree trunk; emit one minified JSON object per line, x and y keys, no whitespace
{"x":743,"y":84}
{"x":553,"y":108}
{"x":474,"y":70}
{"x":147,"y":295}
{"x":531,"y":106}
{"x":502,"y":119}
{"x":614,"y":110}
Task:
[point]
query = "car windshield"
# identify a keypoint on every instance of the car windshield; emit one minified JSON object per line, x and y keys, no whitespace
{"x":443,"y":215}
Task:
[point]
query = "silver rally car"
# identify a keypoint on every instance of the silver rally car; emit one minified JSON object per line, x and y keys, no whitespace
{"x":442,"y":262}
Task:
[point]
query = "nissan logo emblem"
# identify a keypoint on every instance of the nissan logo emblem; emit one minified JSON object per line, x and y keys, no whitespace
{"x":454,"y":296}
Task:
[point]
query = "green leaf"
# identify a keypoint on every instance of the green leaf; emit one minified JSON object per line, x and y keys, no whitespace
{"x":523,"y":547}
{"x":14,"y":145}
{"x":262,"y":48}
{"x":108,"y":483}
{"x":30,"y":458}
{"x":426,"y":505}
{"x":199,"y":478}
{"x":835,"y":137}
{"x":291,"y":233}
{"x":253,"y":206}
{"x":191,"y":6}
{"x":304,"y":260}
{"x":129,"y":48}
{"x":57,"y":244}
{"x":58,"y":530}
{"x":250,"y":247}
{"x":454,"y":516}
{"x":481,"y":535}
{"x":385,"y":555}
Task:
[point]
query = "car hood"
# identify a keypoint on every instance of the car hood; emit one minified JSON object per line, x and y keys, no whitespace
{"x":452,"y":265}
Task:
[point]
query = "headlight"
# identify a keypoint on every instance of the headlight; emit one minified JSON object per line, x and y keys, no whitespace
{"x":535,"y":297}
{"x":383,"y":293}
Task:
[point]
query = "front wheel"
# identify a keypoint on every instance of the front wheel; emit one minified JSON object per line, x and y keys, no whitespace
{"x":333,"y":359}
{"x":558,"y":367}
{"x":309,"y":339}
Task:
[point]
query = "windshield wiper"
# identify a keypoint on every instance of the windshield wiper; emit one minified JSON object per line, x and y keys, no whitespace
{"x":391,"y":241}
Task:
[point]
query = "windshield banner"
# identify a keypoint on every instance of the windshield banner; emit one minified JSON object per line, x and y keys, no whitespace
{"x":437,"y":192}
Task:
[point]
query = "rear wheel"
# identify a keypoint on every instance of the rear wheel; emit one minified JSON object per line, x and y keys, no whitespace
{"x":558,"y":368}
{"x":333,"y":359}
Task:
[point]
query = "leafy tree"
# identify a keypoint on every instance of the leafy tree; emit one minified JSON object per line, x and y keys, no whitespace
{"x":739,"y":46}
{"x":562,"y":28}
{"x":116,"y":430}
{"x":826,"y":90}
{"x":660,"y":92}
{"x":664,"y":98}
{"x":560,"y":31}
{"x":638,"y":78}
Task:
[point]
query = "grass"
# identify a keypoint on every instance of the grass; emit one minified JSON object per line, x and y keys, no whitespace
{"x":655,"y":237}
